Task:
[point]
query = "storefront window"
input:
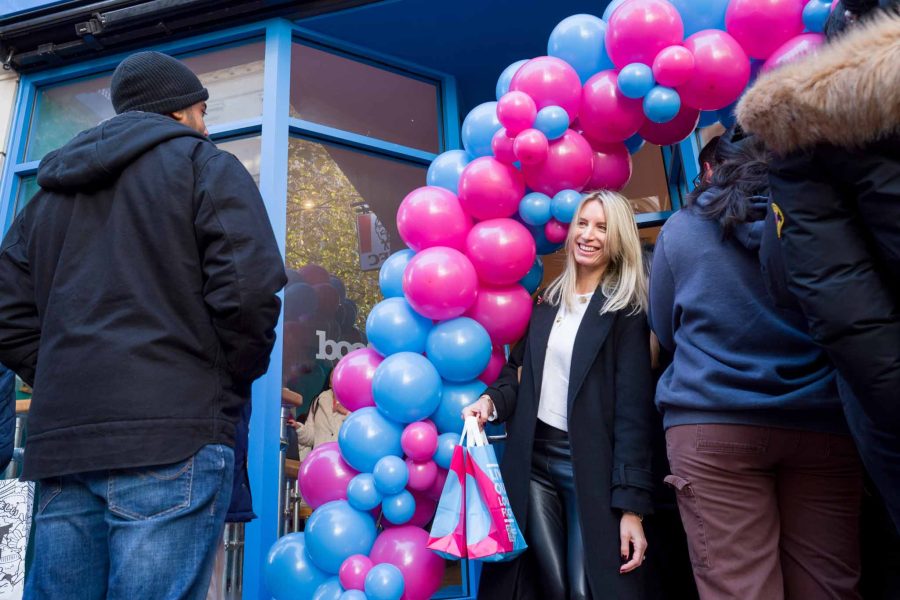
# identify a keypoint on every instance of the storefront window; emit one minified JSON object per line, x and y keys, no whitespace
{"x":648,"y":189}
{"x":28,"y":187}
{"x":346,"y":94}
{"x":247,"y":150}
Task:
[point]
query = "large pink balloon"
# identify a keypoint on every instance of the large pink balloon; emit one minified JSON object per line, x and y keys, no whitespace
{"x":673,"y":66}
{"x":568,"y":166}
{"x":674,"y":131}
{"x":761,"y":26}
{"x":440,"y":283}
{"x":432,"y":216}
{"x":419,"y":440}
{"x":531,"y":147}
{"x":495,"y":365}
{"x":607,"y":115}
{"x":639,"y":29}
{"x":489,"y":189}
{"x":549,"y":81}
{"x":324,"y":475}
{"x":516,"y":112}
{"x":612,"y":168}
{"x":793,"y":49}
{"x":352,"y":378}
{"x":721,"y":71}
{"x":503,"y":312}
{"x":405,"y":548}
{"x":501,"y":250}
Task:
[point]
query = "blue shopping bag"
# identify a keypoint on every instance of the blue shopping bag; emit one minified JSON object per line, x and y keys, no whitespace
{"x":448,"y":530}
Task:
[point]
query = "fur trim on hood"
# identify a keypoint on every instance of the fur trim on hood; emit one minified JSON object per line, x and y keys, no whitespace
{"x":847,"y":94}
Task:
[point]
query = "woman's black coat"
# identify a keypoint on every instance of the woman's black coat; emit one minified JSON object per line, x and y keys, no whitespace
{"x":610,"y":412}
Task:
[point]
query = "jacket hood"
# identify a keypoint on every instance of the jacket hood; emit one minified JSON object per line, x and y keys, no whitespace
{"x":98,"y":155}
{"x":748,"y":233}
{"x":847,"y":94}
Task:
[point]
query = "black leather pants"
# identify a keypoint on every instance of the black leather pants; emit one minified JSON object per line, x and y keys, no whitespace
{"x":554,"y":525}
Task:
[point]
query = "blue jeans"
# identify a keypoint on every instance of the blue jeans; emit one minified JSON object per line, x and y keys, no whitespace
{"x":149,"y":532}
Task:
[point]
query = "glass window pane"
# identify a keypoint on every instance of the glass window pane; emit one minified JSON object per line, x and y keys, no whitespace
{"x":234,"y":78}
{"x":648,"y":189}
{"x":28,"y":187}
{"x":354,"y":96}
{"x":247,"y":150}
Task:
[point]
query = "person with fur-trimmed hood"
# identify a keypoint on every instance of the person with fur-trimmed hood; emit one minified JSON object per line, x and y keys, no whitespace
{"x":833,"y":121}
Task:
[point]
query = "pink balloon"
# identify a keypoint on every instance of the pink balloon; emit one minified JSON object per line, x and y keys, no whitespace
{"x":352,"y":378}
{"x":793,"y":49}
{"x":607,"y":115}
{"x":674,"y":131}
{"x":503,"y":312}
{"x":495,"y":365}
{"x":502,"y":147}
{"x":612,"y":168}
{"x":353,"y":571}
{"x":421,"y":474}
{"x":549,"y":81}
{"x":488,"y":189}
{"x":531,"y":147}
{"x":761,"y":26}
{"x":405,"y":547}
{"x":516,"y":112}
{"x":639,"y":29}
{"x":501,"y":250}
{"x":721,"y":71}
{"x":568,"y":166}
{"x":440,"y":283}
{"x":419,"y":440}
{"x":556,"y":232}
{"x":673,"y":66}
{"x":324,"y":475}
{"x":425,"y":509}
{"x":437,"y":488}
{"x":432,"y":216}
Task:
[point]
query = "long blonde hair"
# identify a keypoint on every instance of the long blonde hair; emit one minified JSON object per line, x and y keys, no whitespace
{"x":624,"y":283}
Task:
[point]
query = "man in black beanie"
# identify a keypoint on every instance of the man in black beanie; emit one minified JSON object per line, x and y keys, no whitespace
{"x":140,"y":303}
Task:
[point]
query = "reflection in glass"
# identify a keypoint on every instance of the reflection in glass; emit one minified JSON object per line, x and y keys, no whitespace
{"x":648,"y":189}
{"x":247,"y":150}
{"x":358,"y":97}
{"x":28,"y":187}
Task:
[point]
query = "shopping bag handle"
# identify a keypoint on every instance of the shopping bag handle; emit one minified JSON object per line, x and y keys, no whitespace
{"x":472,"y":434}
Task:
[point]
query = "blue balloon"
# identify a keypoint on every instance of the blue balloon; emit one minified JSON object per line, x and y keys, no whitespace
{"x":362,"y":493}
{"x":393,"y":326}
{"x":446,"y":443}
{"x":580,"y":40}
{"x":391,"y":475}
{"x":478,"y":129}
{"x":815,"y":13}
{"x":544,"y":246}
{"x":707,"y":118}
{"x":399,"y":508}
{"x":564,"y":205}
{"x":506,"y":76}
{"x":384,"y":582}
{"x":330,"y":590}
{"x":726,"y":115}
{"x":390,"y":276}
{"x":534,"y":276}
{"x":612,"y":6}
{"x":299,"y":300}
{"x":552,"y":121}
{"x":354,"y":595}
{"x":445,"y":169}
{"x":636,"y":80}
{"x":289,"y":570}
{"x":336,"y":531}
{"x":662,"y":104}
{"x":456,"y":396}
{"x":460,"y":349}
{"x":698,"y":15}
{"x":634,"y":143}
{"x":406,"y":387}
{"x":367,"y":436}
{"x":534,"y":209}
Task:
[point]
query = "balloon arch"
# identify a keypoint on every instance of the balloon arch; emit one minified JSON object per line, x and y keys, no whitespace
{"x":647,"y":70}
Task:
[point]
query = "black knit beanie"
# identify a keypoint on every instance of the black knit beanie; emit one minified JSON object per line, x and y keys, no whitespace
{"x":154,"y":82}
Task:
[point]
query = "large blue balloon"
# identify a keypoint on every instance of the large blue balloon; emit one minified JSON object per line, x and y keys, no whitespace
{"x":634,"y":143}
{"x":391,"y":475}
{"x":393,"y":326}
{"x":478,"y":129}
{"x":698,"y":15}
{"x":662,"y":104}
{"x":446,"y":444}
{"x":362,"y":493}
{"x":336,"y":531}
{"x":299,"y":300}
{"x":406,"y":387}
{"x":290,"y":572}
{"x":330,"y":590}
{"x":506,"y":76}
{"x":707,"y":118}
{"x":354,"y":595}
{"x":610,"y":8}
{"x":564,"y":205}
{"x":636,"y":80}
{"x":399,"y":508}
{"x":445,"y":169}
{"x":460,"y":349}
{"x":534,"y":209}
{"x":384,"y":582}
{"x":534,"y":276}
{"x":390,"y":276}
{"x":367,"y":436}
{"x":552,"y":121}
{"x":580,"y":40}
{"x":448,"y":416}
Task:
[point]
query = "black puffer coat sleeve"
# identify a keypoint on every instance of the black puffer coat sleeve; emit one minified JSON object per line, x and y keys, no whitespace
{"x":20,"y":327}
{"x":242,"y":266}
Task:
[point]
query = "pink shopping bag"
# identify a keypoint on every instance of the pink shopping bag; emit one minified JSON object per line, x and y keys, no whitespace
{"x":448,"y":530}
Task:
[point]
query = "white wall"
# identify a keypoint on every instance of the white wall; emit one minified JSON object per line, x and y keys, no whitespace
{"x":9,"y":82}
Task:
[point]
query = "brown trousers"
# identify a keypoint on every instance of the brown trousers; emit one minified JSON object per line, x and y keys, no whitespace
{"x":769,"y":513}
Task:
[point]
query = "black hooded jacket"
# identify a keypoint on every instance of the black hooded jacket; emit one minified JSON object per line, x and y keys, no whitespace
{"x":139,"y":297}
